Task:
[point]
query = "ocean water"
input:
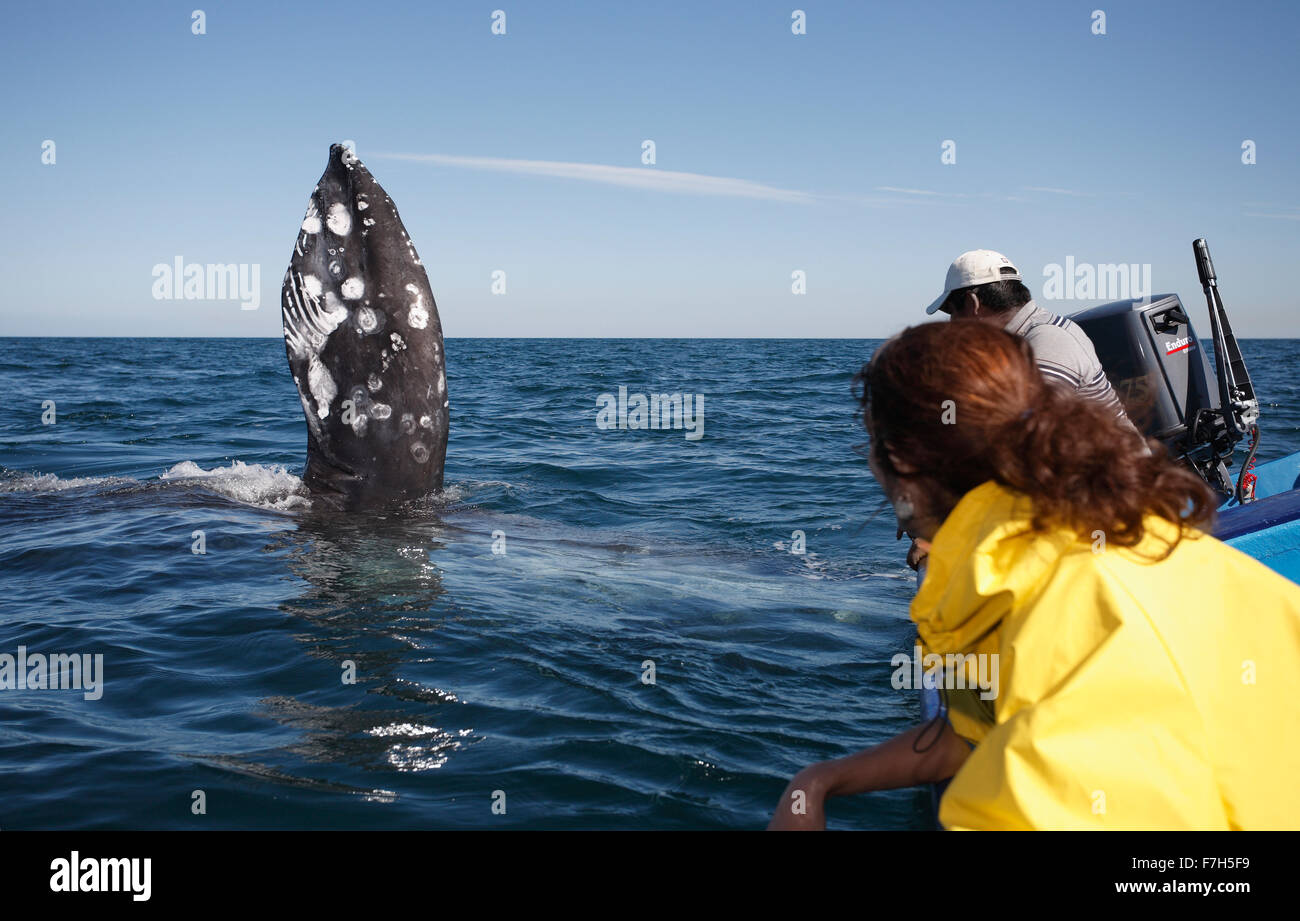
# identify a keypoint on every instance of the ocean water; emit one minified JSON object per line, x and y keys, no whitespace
{"x":477,"y":673}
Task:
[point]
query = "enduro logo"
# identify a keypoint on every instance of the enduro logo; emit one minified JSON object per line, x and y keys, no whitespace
{"x":1178,"y":345}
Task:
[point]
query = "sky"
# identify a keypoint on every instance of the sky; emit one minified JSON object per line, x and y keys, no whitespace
{"x":522,"y":153}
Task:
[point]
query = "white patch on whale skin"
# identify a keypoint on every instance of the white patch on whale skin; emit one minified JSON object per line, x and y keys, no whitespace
{"x":362,"y":204}
{"x":353,"y":288}
{"x":408,"y":423}
{"x":333,"y":314}
{"x":442,"y":381}
{"x":339,"y":220}
{"x":420,"y":452}
{"x":359,"y":421}
{"x":418,"y":316}
{"x":307,"y":323}
{"x":374,"y":383}
{"x":367,"y":320}
{"x":426,"y":422}
{"x":322,"y":386}
{"x":311,"y":220}
{"x":398,"y":344}
{"x":369,"y":222}
{"x":312,"y":422}
{"x":381,"y":410}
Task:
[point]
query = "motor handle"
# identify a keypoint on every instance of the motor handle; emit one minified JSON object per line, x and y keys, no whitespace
{"x":1204,"y":267}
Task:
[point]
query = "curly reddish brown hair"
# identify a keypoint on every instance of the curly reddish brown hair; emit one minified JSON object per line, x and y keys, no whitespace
{"x":1078,"y":462}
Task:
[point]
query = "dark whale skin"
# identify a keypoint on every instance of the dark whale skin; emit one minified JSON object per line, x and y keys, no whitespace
{"x":364,"y":343}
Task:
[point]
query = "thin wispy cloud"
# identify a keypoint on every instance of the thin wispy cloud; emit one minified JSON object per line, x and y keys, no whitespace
{"x":1053,"y":191}
{"x":902,"y":191}
{"x":917,"y":196}
{"x":1274,"y":210}
{"x":645,"y":177}
{"x":682,"y":183}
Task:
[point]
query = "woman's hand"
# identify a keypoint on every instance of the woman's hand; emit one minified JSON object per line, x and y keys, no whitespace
{"x":888,"y":766}
{"x":917,"y":554}
{"x":803,"y":804}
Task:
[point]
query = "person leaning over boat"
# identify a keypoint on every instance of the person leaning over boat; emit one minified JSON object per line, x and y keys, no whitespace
{"x":984,"y":285}
{"x":1149,"y":675}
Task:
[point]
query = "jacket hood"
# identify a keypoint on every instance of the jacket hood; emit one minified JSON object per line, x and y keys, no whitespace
{"x":985,"y":561}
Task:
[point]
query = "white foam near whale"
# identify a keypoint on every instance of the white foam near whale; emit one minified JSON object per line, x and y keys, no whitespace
{"x":265,"y":485}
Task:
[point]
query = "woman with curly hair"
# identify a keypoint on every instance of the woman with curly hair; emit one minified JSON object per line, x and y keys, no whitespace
{"x":1149,"y":675}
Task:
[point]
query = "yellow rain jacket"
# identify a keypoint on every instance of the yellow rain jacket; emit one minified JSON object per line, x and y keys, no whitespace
{"x":1131,"y":694}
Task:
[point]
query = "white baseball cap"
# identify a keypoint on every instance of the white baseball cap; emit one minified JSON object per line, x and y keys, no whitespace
{"x":977,"y":267}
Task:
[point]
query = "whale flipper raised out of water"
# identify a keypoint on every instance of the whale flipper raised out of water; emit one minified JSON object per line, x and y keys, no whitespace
{"x":365,"y":346}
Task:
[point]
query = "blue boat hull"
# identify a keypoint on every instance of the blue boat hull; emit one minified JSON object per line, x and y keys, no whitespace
{"x":1268,"y":528}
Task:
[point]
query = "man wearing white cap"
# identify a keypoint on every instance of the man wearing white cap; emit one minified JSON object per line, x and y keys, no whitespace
{"x":984,"y":285}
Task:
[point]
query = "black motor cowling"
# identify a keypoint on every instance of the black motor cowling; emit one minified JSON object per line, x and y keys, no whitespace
{"x":1162,"y":374}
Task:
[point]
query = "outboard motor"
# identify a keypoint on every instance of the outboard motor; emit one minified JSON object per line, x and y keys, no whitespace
{"x":1155,"y":362}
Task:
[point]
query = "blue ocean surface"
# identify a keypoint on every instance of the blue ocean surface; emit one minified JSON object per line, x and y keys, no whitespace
{"x":511,"y":678}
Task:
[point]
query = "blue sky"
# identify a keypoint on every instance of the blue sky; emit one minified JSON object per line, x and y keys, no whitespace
{"x":1109,"y":148}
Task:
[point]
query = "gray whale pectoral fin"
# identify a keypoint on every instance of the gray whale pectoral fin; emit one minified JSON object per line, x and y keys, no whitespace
{"x":364,"y":342}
